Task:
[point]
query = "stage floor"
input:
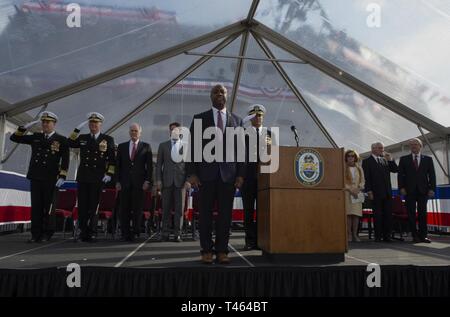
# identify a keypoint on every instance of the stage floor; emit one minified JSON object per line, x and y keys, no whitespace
{"x":15,"y":253}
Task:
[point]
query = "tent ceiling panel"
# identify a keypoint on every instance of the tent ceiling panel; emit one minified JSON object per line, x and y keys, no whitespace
{"x":188,"y":97}
{"x":353,"y":120}
{"x":116,"y":98}
{"x":40,"y":53}
{"x":261,"y":83}
{"x":406,"y":61}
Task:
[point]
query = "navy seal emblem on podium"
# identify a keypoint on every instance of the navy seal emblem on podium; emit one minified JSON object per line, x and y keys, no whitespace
{"x":308,"y":167}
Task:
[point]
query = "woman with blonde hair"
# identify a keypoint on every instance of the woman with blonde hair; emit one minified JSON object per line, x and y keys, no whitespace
{"x":354,"y":197}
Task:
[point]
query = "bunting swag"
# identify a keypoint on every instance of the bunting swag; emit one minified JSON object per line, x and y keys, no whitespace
{"x":232,"y":282}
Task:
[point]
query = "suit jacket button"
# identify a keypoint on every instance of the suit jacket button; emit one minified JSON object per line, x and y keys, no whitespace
{"x":95,"y":166}
{"x":86,"y":165}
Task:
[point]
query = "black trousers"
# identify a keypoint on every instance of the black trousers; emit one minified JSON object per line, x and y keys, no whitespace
{"x":382,"y":213}
{"x":420,"y":200}
{"x":249,"y":198}
{"x":42,"y":224}
{"x":131,"y":204}
{"x":223,"y":194}
{"x":88,"y":199}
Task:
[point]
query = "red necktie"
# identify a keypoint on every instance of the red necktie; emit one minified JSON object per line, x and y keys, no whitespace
{"x":416,"y":164}
{"x":219,"y":121}
{"x":133,"y":151}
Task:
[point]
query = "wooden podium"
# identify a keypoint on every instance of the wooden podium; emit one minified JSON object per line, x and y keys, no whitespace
{"x":303,"y":222}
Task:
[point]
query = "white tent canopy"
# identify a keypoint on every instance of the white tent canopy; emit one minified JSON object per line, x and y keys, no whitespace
{"x":317,"y":64}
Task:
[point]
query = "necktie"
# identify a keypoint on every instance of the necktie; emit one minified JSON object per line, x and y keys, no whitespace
{"x":133,"y":151}
{"x":93,"y":137}
{"x":174,"y":149}
{"x":257,"y":144}
{"x":46,"y":136}
{"x":416,"y":163}
{"x":219,"y":121}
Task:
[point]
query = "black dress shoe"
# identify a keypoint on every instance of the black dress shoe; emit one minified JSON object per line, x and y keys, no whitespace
{"x":177,"y":239}
{"x":46,"y":238}
{"x":388,"y":240}
{"x":416,"y":240}
{"x":164,"y":239}
{"x":377,"y":240}
{"x":34,"y":240}
{"x":425,"y":240}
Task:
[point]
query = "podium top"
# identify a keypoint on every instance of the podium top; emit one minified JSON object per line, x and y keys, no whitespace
{"x":306,"y":168}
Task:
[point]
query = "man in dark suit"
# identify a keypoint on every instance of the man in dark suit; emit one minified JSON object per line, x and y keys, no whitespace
{"x":134,"y":168}
{"x":170,"y":178}
{"x":97,"y":161}
{"x":217,"y":179}
{"x":48,"y":169}
{"x":250,"y":188}
{"x":417,"y":181}
{"x":377,"y":172}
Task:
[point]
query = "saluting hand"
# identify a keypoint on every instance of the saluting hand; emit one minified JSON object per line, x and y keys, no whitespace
{"x":30,"y":124}
{"x":82,"y":124}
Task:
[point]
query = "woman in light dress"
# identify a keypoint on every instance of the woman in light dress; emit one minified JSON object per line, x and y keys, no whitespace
{"x":354,"y":185}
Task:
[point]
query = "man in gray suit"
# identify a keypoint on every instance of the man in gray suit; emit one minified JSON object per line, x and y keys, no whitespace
{"x":170,"y":179}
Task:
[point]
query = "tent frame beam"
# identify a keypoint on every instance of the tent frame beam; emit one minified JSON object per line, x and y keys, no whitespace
{"x":125,"y":69}
{"x":2,"y":138}
{"x":294,"y":89}
{"x":427,"y":141}
{"x":348,"y":80}
{"x":172,"y":83}
{"x":240,"y":62}
{"x":252,"y":11}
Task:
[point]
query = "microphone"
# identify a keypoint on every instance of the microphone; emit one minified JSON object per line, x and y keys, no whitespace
{"x":294,"y":129}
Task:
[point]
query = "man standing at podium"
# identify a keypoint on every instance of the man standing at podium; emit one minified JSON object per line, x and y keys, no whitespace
{"x":216,"y":180}
{"x":250,"y":188}
{"x":377,"y":172}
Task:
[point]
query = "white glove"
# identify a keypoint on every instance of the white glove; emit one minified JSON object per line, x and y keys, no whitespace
{"x":106,"y":179}
{"x":248,"y":118}
{"x":60,"y":182}
{"x":82,"y":124}
{"x":30,"y":124}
